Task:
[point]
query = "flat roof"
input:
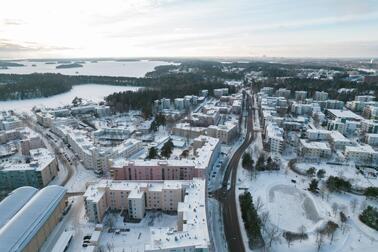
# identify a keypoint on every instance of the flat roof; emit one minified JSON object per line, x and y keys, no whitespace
{"x":345,"y":114}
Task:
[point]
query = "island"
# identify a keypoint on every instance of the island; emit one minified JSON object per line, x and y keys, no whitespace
{"x":73,"y":65}
{"x":6,"y":64}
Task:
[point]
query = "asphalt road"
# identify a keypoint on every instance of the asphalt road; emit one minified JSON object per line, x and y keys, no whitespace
{"x":227,"y":197}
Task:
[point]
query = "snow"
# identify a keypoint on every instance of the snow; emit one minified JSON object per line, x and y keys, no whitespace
{"x":80,"y":178}
{"x":139,"y":234}
{"x":347,"y":171}
{"x":136,"y":68}
{"x":285,"y":203}
{"x":93,"y":92}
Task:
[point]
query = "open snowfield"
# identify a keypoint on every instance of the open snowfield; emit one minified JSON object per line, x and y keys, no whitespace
{"x":286,"y":203}
{"x":349,"y":172}
{"x":290,"y":206}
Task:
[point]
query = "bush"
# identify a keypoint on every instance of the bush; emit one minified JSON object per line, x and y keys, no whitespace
{"x":321,"y":173}
{"x":371,"y":192}
{"x":311,"y":172}
{"x":338,"y":184}
{"x":370,"y":217}
{"x":247,"y":161}
{"x":313,"y":187}
{"x":290,"y":236}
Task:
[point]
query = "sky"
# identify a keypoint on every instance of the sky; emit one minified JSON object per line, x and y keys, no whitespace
{"x":188,"y":28}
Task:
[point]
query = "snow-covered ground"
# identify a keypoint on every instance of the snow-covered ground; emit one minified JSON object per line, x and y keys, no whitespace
{"x":80,"y":178}
{"x":292,"y":208}
{"x":138,"y":234}
{"x":348,"y":172}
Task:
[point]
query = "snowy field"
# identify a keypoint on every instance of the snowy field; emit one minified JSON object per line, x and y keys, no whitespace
{"x":348,"y":172}
{"x":287,"y":203}
{"x":291,"y":207}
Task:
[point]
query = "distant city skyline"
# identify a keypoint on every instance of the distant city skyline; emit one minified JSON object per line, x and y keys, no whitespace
{"x":189,"y":28}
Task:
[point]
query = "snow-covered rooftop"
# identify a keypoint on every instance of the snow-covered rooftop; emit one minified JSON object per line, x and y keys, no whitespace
{"x":19,"y":231}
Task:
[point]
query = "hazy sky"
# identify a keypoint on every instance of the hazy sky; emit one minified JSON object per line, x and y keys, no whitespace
{"x":130,"y":28}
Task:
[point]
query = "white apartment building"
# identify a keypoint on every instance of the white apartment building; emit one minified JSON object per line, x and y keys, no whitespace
{"x":225,"y":133}
{"x":371,"y":139}
{"x":187,"y":131}
{"x":314,"y":150}
{"x":361,"y":154}
{"x":300,"y":95}
{"x":220,"y":91}
{"x":369,"y":126}
{"x":95,"y":156}
{"x":320,"y":96}
{"x":274,"y":138}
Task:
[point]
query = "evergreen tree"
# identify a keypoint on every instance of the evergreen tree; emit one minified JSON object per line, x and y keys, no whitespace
{"x":152,"y":153}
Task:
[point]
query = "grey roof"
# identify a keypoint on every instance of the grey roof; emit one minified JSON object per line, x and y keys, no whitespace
{"x":14,"y":202}
{"x":19,"y":231}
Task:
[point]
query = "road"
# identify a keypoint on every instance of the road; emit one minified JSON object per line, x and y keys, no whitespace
{"x":226,"y":194}
{"x":53,"y":144}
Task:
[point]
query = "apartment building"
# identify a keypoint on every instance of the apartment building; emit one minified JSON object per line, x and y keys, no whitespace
{"x":37,"y":172}
{"x":314,"y":150}
{"x":187,"y":198}
{"x":206,"y":151}
{"x":361,"y":154}
{"x":274,"y":138}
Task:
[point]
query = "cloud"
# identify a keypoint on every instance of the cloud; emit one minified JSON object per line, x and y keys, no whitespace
{"x":8,"y":47}
{"x":12,"y":22}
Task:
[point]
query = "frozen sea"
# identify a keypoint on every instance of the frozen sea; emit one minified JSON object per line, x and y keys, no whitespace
{"x":101,"y":68}
{"x":93,"y":92}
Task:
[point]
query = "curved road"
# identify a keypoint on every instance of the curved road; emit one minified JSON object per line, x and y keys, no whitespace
{"x":227,"y":197}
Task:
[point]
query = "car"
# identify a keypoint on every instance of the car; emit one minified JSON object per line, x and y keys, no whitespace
{"x":85,"y":245}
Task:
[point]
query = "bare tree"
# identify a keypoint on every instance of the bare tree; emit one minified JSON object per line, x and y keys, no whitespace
{"x":264,"y":217}
{"x":259,"y":204}
{"x":353,"y":204}
{"x":323,"y":191}
{"x":302,"y":230}
{"x":335,"y":207}
{"x":319,"y":240}
{"x":273,"y":234}
{"x":109,"y":246}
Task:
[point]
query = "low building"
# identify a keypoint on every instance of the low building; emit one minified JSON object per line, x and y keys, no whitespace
{"x":318,"y":134}
{"x":36,"y":172}
{"x":225,"y":133}
{"x":314,"y":150}
{"x":220,"y":91}
{"x":334,"y":114}
{"x":369,"y":126}
{"x":361,"y":154}
{"x":320,"y":96}
{"x":300,"y":95}
{"x":33,"y":219}
{"x":188,"y":131}
{"x":371,"y":139}
{"x":283,"y":92}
